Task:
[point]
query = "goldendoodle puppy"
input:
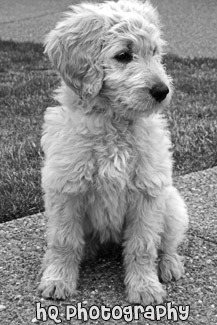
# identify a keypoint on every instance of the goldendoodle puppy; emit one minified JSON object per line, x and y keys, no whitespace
{"x":108,"y":167}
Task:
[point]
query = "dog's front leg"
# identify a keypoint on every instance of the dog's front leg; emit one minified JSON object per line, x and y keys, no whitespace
{"x":65,"y":246}
{"x":142,"y":237}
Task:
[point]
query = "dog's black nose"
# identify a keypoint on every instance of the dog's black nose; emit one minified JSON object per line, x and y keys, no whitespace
{"x":159,"y":92}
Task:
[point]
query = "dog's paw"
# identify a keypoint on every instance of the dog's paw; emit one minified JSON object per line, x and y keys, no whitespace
{"x":170,"y":267}
{"x":56,"y":289}
{"x":148,"y":292}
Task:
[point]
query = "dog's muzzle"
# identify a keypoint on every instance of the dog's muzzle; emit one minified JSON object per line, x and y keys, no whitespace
{"x":159,"y":92}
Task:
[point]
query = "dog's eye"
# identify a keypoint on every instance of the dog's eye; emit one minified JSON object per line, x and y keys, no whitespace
{"x":124,"y":57}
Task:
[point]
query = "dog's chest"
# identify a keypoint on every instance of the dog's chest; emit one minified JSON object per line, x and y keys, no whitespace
{"x":115,"y":157}
{"x":107,"y":198}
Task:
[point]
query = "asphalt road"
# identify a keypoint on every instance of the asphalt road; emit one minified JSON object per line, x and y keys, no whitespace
{"x":190,"y":26}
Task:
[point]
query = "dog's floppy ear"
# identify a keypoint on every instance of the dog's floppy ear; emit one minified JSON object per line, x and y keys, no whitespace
{"x":74,"y":48}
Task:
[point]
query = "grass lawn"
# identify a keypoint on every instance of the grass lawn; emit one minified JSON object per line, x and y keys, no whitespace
{"x":26,"y":85}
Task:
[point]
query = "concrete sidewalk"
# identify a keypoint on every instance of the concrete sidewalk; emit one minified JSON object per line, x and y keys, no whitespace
{"x":191,"y":29}
{"x":190,"y":26}
{"x":101,"y":281}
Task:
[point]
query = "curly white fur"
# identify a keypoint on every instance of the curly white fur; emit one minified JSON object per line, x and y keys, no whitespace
{"x":108,"y":167}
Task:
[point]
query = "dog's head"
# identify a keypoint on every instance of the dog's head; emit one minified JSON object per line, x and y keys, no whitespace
{"x":113,"y":51}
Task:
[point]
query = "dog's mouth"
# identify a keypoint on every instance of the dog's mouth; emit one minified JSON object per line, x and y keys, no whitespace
{"x":145,"y":102}
{"x":144,"y":107}
{"x":134,"y":102}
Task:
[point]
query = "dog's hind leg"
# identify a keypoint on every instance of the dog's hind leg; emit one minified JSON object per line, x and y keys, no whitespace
{"x":65,"y":246}
{"x":175,"y":225}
